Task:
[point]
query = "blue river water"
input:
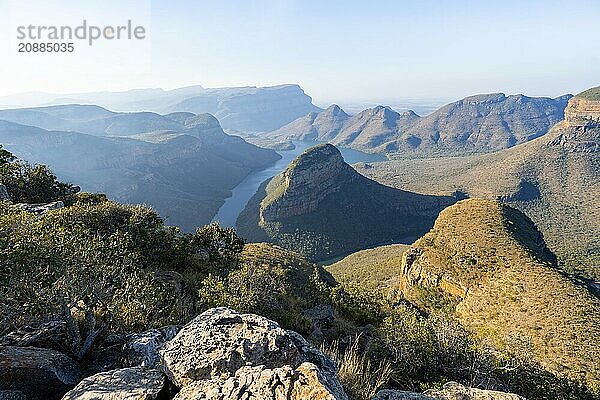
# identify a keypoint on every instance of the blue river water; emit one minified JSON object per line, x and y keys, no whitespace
{"x":233,"y":206}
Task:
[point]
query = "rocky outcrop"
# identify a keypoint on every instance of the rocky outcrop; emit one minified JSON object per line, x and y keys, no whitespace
{"x":141,"y":349}
{"x":416,"y":272}
{"x":306,"y":182}
{"x":582,"y":112}
{"x":42,"y":208}
{"x":580,"y":131}
{"x":37,"y":373}
{"x":135,"y":383}
{"x":450,"y":391}
{"x":221,"y":349}
{"x":304,"y":382}
{"x":321,"y":207}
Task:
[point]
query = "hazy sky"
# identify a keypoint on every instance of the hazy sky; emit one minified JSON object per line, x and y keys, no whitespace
{"x":336,"y":50}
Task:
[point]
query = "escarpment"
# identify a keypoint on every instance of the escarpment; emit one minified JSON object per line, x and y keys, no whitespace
{"x":580,"y":131}
{"x":321,"y":207}
{"x":493,"y":262}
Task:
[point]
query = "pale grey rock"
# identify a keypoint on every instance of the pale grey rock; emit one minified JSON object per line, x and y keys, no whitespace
{"x":12,"y":395}
{"x":135,"y":383}
{"x":220,"y":342}
{"x":141,"y":349}
{"x":37,"y":373}
{"x":284,"y":383}
{"x":450,"y":391}
{"x":41,"y":209}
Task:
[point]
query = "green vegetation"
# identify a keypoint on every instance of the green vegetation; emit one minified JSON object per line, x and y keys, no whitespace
{"x":492,"y":259}
{"x":590,"y":94}
{"x":101,"y":267}
{"x":31,"y":184}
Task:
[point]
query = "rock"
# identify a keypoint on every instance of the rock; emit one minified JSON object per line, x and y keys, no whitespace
{"x":41,"y":209}
{"x":222,"y":345}
{"x":37,"y":373}
{"x":135,"y":383}
{"x":4,"y":193}
{"x":12,"y":395}
{"x":259,"y":382}
{"x":582,"y":112}
{"x":321,"y":318}
{"x":399,"y":395}
{"x":450,"y":391}
{"x":50,"y":335}
{"x":141,"y":349}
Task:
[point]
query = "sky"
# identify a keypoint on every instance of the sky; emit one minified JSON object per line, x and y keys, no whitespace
{"x":338,"y":51}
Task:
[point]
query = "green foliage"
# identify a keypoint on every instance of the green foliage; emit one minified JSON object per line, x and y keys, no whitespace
{"x":269,"y":281}
{"x":103,"y":267}
{"x":591,"y":94}
{"x":31,"y":184}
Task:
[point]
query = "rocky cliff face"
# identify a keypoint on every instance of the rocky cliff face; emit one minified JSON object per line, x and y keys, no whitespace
{"x":582,"y":112}
{"x":321,"y":207}
{"x":305,"y":183}
{"x":580,"y":131}
{"x":251,"y":109}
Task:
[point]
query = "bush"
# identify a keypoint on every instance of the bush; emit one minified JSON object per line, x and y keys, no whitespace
{"x":31,"y":184}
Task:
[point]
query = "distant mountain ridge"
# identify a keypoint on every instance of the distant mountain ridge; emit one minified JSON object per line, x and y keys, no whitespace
{"x":245,"y":109}
{"x":480,"y":123}
{"x":182,"y":164}
{"x":554,"y":179}
{"x":321,"y":207}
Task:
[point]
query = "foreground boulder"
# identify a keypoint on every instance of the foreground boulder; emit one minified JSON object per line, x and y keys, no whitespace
{"x":135,"y":383}
{"x":141,"y":349}
{"x":304,"y":382}
{"x":450,"y":391}
{"x":42,"y":208}
{"x":223,"y":354}
{"x":37,"y":373}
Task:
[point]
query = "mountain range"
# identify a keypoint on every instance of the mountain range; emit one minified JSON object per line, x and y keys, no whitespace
{"x":554,"y":179}
{"x":182,"y":164}
{"x":247,"y":109}
{"x":480,"y":123}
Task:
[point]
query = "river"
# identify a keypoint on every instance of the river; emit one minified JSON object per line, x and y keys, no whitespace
{"x":233,"y":206}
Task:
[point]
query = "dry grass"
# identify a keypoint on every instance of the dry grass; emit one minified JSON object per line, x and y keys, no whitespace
{"x":360,"y":377}
{"x":375,"y":270}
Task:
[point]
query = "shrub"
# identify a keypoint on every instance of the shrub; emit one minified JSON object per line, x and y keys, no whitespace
{"x":31,"y":184}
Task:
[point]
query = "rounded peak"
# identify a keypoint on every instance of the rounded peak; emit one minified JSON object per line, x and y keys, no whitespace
{"x":316,"y":157}
{"x":409,"y":114}
{"x":203,"y":121}
{"x":592,"y":94}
